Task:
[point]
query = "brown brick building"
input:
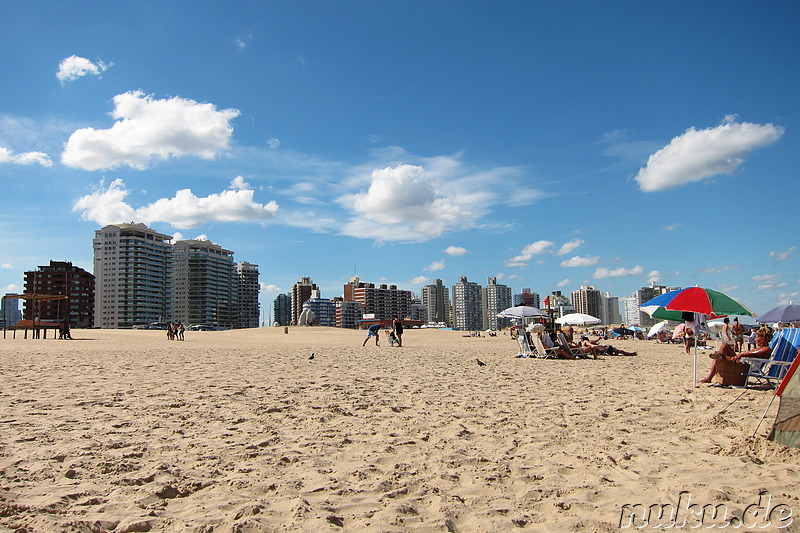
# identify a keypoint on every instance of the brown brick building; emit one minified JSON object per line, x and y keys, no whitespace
{"x":61,"y":278}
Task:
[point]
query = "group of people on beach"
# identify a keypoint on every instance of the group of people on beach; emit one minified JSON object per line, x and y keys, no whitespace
{"x":393,"y":336}
{"x":732,"y":343}
{"x":175,"y":331}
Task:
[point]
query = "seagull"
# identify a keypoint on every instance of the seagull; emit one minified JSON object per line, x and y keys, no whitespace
{"x":310,"y":357}
{"x":480,"y":363}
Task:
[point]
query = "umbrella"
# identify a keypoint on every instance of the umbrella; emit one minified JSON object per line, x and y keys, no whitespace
{"x":657,"y":328}
{"x":578,"y":319}
{"x":622,"y":331}
{"x":521,"y":311}
{"x":782,"y":313}
{"x":678,"y":331}
{"x":697,"y":300}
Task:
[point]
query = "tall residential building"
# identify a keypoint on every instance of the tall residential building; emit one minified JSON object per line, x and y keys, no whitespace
{"x":560,"y":304}
{"x":383,"y":301}
{"x":247,"y":291}
{"x":9,"y":311}
{"x":61,"y":278}
{"x":526,"y":297}
{"x":436,"y":300}
{"x":467,"y":305}
{"x":646,"y":294}
{"x":631,"y":314}
{"x":609,"y":310}
{"x":301,"y":291}
{"x":495,"y":298}
{"x":282,"y":310}
{"x":588,"y":300}
{"x":324,"y":309}
{"x":348,"y":314}
{"x":418,"y":311}
{"x":205,"y":284}
{"x":133,"y":276}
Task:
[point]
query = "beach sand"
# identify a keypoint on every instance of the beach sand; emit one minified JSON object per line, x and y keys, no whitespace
{"x":239,"y":431}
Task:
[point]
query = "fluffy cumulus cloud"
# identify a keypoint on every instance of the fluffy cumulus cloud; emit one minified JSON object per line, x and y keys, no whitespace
{"x":455,"y":251}
{"x":184,"y":210}
{"x":602,"y":272}
{"x":527,"y":253}
{"x":148,"y":129}
{"x":420,"y":280}
{"x":563,"y":283}
{"x":578,"y":261}
{"x":264,"y":287}
{"x":436,"y":265}
{"x":406,"y":202}
{"x":783,"y":256}
{"x":74,"y":67}
{"x":699,"y":154}
{"x":26,"y":158}
{"x":570,"y":246}
{"x":655,"y":276}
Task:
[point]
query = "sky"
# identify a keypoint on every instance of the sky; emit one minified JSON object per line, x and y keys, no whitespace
{"x":549,"y":144}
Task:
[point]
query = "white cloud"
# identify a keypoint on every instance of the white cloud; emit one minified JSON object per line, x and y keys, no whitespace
{"x":602,"y":272}
{"x":697,"y":155}
{"x":74,"y":67}
{"x":238,"y":183}
{"x":534,"y":248}
{"x":6,"y":266}
{"x":273,"y":143}
{"x":436,"y":265}
{"x":672,"y":227}
{"x":407,"y":202}
{"x":455,"y":251}
{"x":786,"y":297}
{"x":570,"y":246}
{"x":269,"y":288}
{"x":420,"y":280}
{"x":148,"y":129}
{"x":563,"y":283}
{"x":25,"y":158}
{"x":783,"y":256}
{"x":11,"y":289}
{"x":766,"y":277}
{"x":772,"y":285}
{"x":719,"y":269}
{"x":184,"y":210}
{"x":655,"y":275}
{"x":578,"y":261}
{"x":177,"y":236}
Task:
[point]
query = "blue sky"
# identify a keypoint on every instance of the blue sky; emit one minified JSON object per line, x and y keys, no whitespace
{"x":552,"y":145}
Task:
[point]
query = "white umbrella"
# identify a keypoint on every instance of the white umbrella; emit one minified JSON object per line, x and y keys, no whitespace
{"x":521,"y":311}
{"x":577,"y":319}
{"x":657,"y":328}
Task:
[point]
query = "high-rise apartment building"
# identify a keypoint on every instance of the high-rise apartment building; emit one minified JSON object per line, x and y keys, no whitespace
{"x":526,"y":297}
{"x":560,"y":304}
{"x":609,"y":310}
{"x":324,"y":309}
{"x":9,"y":312}
{"x":282,"y":310}
{"x":383,"y":301}
{"x":436,"y":300}
{"x":348,"y":314}
{"x":61,"y":278}
{"x":133,"y":276}
{"x":205,"y":284}
{"x":495,"y":298}
{"x":646,"y":294}
{"x":301,"y":291}
{"x":247,"y":292}
{"x":588,"y":300}
{"x":467,"y":305}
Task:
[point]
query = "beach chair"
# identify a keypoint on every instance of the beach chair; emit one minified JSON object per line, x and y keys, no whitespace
{"x":524,"y":347}
{"x":542,"y":351}
{"x":771,"y":371}
{"x":564,"y":345}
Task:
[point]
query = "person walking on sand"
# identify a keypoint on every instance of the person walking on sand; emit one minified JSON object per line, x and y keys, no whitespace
{"x":737,"y":329}
{"x":373,"y":331}
{"x":397,"y":324}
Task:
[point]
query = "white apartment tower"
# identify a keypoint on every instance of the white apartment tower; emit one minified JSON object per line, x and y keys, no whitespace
{"x":205,"y":284}
{"x":248,"y":290}
{"x":436,"y":302}
{"x":589,"y":301}
{"x":133,"y":276}
{"x":496,"y":297}
{"x":467,"y":305}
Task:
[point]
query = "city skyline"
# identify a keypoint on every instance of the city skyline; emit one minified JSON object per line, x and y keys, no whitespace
{"x":549,"y":146}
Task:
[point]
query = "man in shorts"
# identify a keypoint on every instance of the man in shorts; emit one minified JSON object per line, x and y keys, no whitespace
{"x":737,"y":330}
{"x":373,"y":331}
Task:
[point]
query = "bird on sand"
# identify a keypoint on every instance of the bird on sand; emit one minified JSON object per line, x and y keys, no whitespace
{"x":310,"y":357}
{"x":480,"y":363}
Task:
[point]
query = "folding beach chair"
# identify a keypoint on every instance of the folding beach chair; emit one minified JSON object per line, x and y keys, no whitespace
{"x":542,"y":351}
{"x":524,"y":347}
{"x":564,"y":345}
{"x":771,"y":371}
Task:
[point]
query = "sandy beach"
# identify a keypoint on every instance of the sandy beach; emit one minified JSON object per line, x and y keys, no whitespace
{"x":239,"y":431}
